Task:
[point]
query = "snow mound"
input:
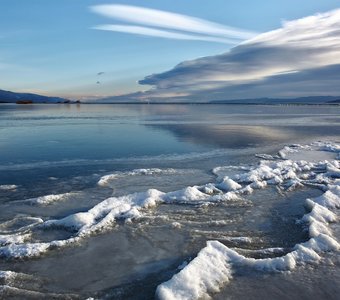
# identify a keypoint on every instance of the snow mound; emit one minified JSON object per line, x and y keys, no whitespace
{"x":8,"y":187}
{"x":228,"y":184}
{"x":24,"y":250}
{"x":13,"y":238}
{"x":107,"y":179}
{"x":188,"y":195}
{"x":47,"y":200}
{"x":203,"y":274}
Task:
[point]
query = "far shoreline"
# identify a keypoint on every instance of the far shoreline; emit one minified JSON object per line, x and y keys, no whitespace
{"x":173,"y":103}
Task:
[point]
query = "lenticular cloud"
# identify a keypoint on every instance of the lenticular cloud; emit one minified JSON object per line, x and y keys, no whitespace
{"x":158,"y":23}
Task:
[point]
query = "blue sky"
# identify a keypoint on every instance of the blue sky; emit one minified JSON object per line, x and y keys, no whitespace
{"x":51,"y":47}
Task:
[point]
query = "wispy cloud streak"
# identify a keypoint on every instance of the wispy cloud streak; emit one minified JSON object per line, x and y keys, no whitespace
{"x":140,"y":30}
{"x":168,"y":25}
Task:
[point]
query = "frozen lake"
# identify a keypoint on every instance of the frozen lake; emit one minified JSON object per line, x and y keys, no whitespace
{"x":112,"y":201}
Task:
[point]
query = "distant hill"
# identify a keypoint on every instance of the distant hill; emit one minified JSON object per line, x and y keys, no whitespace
{"x":299,"y":100}
{"x":335,"y":101}
{"x":132,"y":99}
{"x":11,"y":97}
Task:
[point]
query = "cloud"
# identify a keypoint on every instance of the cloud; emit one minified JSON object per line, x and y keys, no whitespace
{"x":292,"y":57}
{"x":168,"y":25}
{"x":141,"y":30}
{"x":320,"y":81}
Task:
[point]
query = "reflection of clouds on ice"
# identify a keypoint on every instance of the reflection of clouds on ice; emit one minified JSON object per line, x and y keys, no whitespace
{"x":228,"y":136}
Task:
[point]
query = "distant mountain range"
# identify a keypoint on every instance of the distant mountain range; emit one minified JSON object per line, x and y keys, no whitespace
{"x":11,"y":97}
{"x":299,"y":100}
{"x":23,"y":98}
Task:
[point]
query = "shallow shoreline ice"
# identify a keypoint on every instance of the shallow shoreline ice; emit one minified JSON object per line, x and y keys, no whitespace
{"x":215,"y":263}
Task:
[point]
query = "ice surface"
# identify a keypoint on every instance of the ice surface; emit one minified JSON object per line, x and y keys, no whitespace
{"x":89,"y":162}
{"x":19,"y":224}
{"x":215,"y":263}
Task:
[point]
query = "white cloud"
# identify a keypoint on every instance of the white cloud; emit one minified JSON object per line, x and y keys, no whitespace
{"x":289,"y":52}
{"x":181,"y":26}
{"x":141,"y":30}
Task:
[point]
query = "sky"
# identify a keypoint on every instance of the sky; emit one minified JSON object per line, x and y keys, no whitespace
{"x":170,"y":49}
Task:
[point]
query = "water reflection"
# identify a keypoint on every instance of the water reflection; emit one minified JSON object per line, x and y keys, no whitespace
{"x":243,"y":136}
{"x":59,"y":132}
{"x":228,"y":136}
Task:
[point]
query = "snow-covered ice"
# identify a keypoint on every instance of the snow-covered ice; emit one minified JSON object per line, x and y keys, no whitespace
{"x":215,"y":264}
